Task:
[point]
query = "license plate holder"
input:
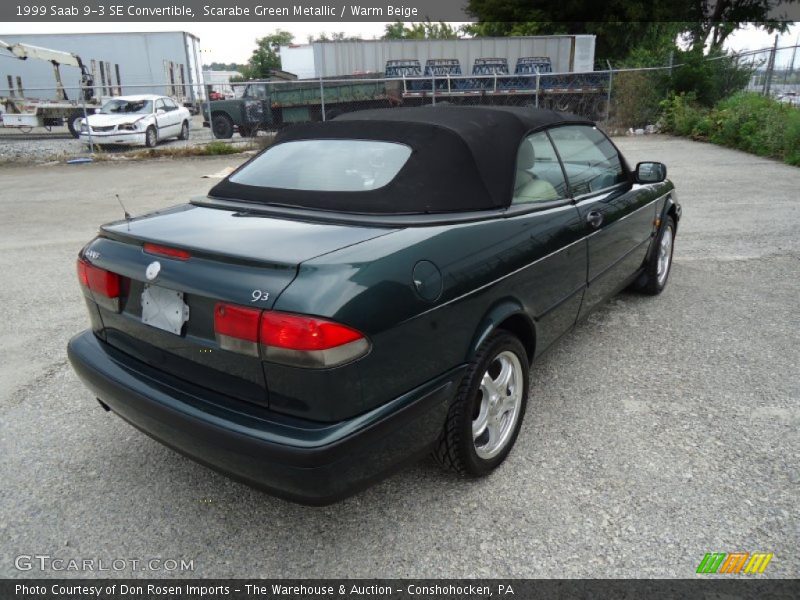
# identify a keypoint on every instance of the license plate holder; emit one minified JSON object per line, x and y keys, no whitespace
{"x":164,"y":309}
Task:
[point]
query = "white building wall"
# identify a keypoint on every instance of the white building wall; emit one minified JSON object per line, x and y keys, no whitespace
{"x":141,"y":58}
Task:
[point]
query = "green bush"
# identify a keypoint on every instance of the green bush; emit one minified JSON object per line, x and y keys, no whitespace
{"x":745,"y":121}
{"x":636,"y":97}
{"x":681,"y":114}
{"x":711,"y":78}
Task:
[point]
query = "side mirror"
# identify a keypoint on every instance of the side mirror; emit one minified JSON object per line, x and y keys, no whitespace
{"x":651,"y":172}
{"x":161,"y":111}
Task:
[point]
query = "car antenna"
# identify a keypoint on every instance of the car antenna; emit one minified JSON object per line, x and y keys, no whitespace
{"x":127,"y":214}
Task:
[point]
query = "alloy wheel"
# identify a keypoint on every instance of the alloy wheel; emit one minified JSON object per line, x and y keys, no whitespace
{"x":664,"y":256}
{"x":499,"y":407}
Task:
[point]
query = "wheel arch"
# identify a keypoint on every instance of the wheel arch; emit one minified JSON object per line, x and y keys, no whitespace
{"x":222,"y":113}
{"x":509,"y":315}
{"x":671,"y":208}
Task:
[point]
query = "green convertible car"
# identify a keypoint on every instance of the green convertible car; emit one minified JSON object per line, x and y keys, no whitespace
{"x":366,"y":291}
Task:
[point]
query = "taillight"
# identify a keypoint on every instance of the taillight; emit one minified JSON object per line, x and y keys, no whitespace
{"x":236,"y":328}
{"x":309,"y":341}
{"x":175,"y":253}
{"x":291,"y":339}
{"x":103,"y":285}
{"x":295,"y":332}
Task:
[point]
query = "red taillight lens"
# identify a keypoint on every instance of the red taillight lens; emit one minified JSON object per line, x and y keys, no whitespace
{"x":102,"y":283}
{"x":83,"y":276}
{"x":237,"y":321}
{"x":296,"y":332}
{"x":167,"y":251}
{"x":286,"y":338}
{"x":236,"y":328}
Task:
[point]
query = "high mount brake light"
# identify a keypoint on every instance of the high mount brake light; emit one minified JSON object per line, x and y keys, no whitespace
{"x":166,"y":251}
{"x":296,"y":340}
{"x":103,"y":285}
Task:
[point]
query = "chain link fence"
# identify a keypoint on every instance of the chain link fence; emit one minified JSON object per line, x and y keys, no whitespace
{"x":619,"y":99}
{"x":774,"y":72}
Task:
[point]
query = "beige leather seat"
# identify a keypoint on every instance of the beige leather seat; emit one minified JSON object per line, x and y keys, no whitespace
{"x":528,"y":187}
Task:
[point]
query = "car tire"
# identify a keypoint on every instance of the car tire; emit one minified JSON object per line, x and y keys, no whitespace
{"x":222,"y":127}
{"x":483,"y":421}
{"x":74,"y":123}
{"x":184,"y":134}
{"x":248,"y":131}
{"x":151,"y":137}
{"x":660,"y":263}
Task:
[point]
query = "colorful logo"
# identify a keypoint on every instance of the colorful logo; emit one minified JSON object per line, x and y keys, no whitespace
{"x":735,"y":562}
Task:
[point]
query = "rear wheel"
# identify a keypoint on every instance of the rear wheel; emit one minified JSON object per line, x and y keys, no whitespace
{"x":248,"y":131}
{"x":484,"y":420}
{"x":184,"y":135}
{"x":74,"y":124}
{"x":151,"y":137}
{"x":222,"y":127}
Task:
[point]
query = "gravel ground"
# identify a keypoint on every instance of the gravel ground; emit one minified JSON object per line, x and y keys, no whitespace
{"x":659,"y":430}
{"x":40,"y":146}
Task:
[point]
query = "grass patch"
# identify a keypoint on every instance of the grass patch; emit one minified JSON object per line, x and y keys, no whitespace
{"x":745,"y":121}
{"x":213,"y":148}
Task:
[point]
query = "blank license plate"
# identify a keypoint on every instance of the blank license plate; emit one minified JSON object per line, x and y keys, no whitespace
{"x":164,"y":309}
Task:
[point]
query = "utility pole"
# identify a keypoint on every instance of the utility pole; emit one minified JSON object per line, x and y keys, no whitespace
{"x":794,"y":55}
{"x":770,"y":67}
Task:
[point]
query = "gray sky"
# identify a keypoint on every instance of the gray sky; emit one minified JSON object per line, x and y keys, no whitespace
{"x":234,"y":42}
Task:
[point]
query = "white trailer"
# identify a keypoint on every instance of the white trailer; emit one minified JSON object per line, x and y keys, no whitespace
{"x":567,"y":54}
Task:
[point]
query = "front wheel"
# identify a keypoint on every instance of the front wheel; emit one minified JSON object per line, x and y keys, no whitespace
{"x":658,"y":267}
{"x":485,"y":418}
{"x":150,"y":137}
{"x":222,"y":127}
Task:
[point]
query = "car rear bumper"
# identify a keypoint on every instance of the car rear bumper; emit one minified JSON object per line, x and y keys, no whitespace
{"x":303,"y":461}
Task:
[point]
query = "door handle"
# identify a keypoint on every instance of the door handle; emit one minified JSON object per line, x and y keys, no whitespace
{"x":594,"y":219}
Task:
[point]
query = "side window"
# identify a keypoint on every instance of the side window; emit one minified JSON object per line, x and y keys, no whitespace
{"x":590,"y":160}
{"x":169,"y":104}
{"x":160,"y":105}
{"x":255,"y":91}
{"x":539,"y":176}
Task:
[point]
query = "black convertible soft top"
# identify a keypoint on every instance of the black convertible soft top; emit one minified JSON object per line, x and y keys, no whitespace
{"x":463,"y":159}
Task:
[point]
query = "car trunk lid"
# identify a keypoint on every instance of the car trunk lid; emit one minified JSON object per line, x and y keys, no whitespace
{"x":204,"y":256}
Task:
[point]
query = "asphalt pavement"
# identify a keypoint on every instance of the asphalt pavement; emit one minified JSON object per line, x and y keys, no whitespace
{"x":659,"y":430}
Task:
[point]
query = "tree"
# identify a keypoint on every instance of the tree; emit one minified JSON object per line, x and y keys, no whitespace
{"x":266,"y":56}
{"x":712,"y":23}
{"x":337,"y":36}
{"x":622,"y":25}
{"x":218,"y":66}
{"x":420,"y":31}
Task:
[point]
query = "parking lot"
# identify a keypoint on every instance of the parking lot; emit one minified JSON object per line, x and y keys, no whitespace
{"x":659,"y":430}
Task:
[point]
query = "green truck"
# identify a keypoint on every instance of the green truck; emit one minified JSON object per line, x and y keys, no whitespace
{"x":267,"y":105}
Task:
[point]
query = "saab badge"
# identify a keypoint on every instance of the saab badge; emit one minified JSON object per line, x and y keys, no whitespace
{"x":153,"y":269}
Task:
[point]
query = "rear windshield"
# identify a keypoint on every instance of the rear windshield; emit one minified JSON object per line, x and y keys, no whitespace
{"x":325,"y":165}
